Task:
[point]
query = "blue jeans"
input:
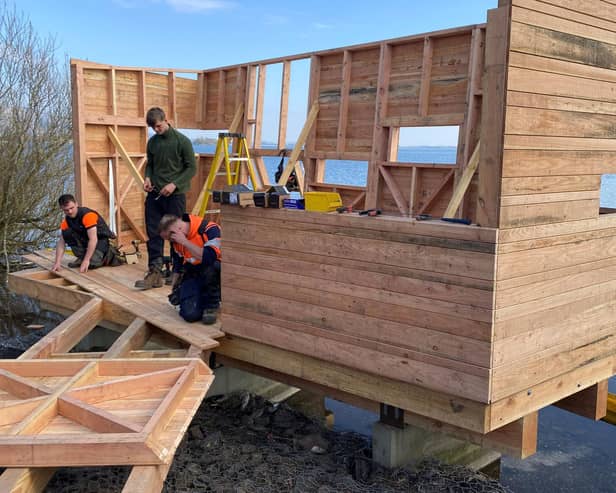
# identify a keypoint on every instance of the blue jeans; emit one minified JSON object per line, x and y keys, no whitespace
{"x":199,"y":291}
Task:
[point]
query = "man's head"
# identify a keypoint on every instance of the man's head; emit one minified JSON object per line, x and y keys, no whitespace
{"x":156,"y":120}
{"x":170,"y":223}
{"x":68,"y":204}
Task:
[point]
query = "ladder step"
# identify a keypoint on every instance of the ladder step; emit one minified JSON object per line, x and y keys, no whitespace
{"x":225,"y":174}
{"x":238,"y":159}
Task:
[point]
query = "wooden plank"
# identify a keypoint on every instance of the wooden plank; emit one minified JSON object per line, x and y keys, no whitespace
{"x":414,"y":343}
{"x":126,"y":386}
{"x":468,"y":386}
{"x":138,"y":304}
{"x":547,"y":185}
{"x":284,"y":105}
{"x":565,"y":29}
{"x":220,"y":102}
{"x":170,"y":403}
{"x":19,"y":480}
{"x":468,"y":263}
{"x":403,"y":207}
{"x":259,"y":105}
{"x":493,"y":116}
{"x":95,"y":419}
{"x":79,"y":132}
{"x":125,"y":157}
{"x":460,"y":412}
{"x":556,"y":212}
{"x":299,"y":143}
{"x":590,"y":403}
{"x":426,"y":77}
{"x":146,"y":479}
{"x":15,"y":411}
{"x":134,"y":337}
{"x":356,"y":223}
{"x":345,"y":88}
{"x":463,"y":184}
{"x":67,"y":333}
{"x":380,"y":134}
{"x":536,"y":397}
{"x":21,"y":387}
{"x":58,"y":450}
{"x":436,"y":192}
{"x":46,"y":410}
{"x":103,"y":186}
{"x":21,"y":283}
{"x":446,"y":119}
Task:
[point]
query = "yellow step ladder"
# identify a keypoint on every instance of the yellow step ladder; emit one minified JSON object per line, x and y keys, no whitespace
{"x":233,"y":164}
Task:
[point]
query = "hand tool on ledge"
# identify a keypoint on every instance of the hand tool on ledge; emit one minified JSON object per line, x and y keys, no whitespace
{"x":344,"y":208}
{"x":428,"y":217}
{"x":370,"y":212}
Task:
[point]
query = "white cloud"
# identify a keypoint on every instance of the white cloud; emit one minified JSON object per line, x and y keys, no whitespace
{"x":320,"y":25}
{"x":190,"y":6}
{"x":197,"y":5}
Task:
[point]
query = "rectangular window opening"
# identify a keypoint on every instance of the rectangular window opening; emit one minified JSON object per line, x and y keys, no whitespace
{"x":427,"y":145}
{"x":343,"y":172}
{"x":607,"y":198}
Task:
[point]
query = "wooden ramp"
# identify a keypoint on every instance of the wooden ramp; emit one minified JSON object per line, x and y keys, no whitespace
{"x":114,"y":285}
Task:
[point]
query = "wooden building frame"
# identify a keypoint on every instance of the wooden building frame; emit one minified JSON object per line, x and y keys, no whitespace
{"x":471,"y":329}
{"x":490,"y":312}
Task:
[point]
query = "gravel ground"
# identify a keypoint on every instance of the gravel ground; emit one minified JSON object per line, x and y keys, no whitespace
{"x":241,"y":443}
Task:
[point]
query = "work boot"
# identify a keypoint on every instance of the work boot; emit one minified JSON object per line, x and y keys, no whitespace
{"x":153,"y":279}
{"x":209,"y":316}
{"x":75,"y":263}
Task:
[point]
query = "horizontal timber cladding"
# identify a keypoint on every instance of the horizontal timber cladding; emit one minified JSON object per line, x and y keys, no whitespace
{"x":410,"y":301}
{"x":556,"y":263}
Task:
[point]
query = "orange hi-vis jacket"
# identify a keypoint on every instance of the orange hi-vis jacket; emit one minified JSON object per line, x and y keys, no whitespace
{"x":203,"y":234}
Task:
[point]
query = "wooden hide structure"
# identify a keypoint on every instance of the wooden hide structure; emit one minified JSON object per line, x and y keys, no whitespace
{"x":470,"y":329}
{"x":513,"y":315}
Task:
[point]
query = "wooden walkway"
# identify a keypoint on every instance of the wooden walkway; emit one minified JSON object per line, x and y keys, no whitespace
{"x":115,"y":285}
{"x":59,"y":407}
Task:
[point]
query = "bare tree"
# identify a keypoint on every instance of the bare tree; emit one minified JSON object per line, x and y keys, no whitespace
{"x":35,"y":134}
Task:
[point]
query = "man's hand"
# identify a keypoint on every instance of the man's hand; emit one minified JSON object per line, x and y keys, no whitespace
{"x":83,"y":268}
{"x":147,"y":185}
{"x":168,"y":189}
{"x":178,"y":237}
{"x":56,"y":267}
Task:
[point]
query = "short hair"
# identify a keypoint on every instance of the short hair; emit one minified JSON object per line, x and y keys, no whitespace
{"x":166,"y":222}
{"x":155,"y":115}
{"x":65,"y":199}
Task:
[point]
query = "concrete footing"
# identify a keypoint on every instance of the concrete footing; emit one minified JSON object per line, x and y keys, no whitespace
{"x":408,"y":446}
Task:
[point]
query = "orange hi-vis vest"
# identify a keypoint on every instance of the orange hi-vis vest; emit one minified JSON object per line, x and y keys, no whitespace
{"x":198,"y":235}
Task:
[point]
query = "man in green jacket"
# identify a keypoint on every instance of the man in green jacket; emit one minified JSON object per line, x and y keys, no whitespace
{"x":169,"y":169}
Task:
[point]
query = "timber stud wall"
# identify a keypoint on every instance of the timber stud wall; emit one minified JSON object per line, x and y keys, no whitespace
{"x":365,"y":94}
{"x":487,"y":324}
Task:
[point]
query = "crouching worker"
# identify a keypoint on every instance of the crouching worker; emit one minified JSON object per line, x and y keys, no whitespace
{"x":196,"y":265}
{"x":88,"y":235}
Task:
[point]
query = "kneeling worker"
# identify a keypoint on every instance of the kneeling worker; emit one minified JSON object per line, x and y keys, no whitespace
{"x":196,"y":258}
{"x":87,"y":233}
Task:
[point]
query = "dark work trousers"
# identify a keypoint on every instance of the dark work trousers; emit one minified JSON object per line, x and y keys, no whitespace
{"x":79,"y":247}
{"x":155,"y":209}
{"x":199,"y":291}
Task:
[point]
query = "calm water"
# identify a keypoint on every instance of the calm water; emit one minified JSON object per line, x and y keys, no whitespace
{"x":575,"y":455}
